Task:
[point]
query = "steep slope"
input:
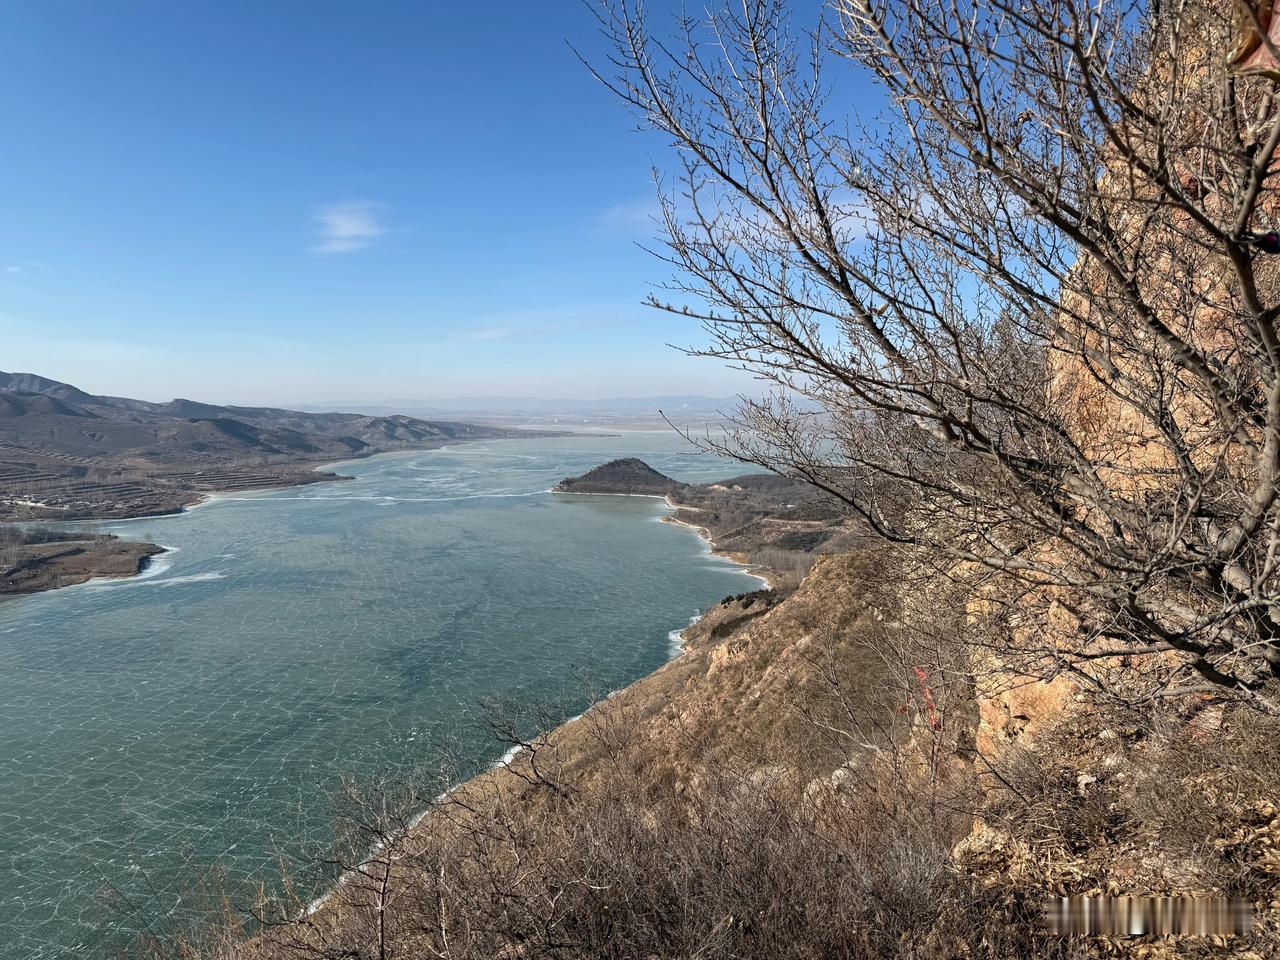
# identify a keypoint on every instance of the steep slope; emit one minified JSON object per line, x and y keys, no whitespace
{"x":716,"y":802}
{"x":38,"y":404}
{"x":32,"y":383}
{"x":808,"y":765}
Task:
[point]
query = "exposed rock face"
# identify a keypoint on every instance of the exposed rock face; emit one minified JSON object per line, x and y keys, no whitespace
{"x":626,"y":476}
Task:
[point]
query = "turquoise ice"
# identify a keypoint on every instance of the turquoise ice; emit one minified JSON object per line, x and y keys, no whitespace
{"x":202,"y":715}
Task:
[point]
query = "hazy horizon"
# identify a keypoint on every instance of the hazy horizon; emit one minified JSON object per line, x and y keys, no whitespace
{"x":224,"y":385}
{"x":478,"y":402}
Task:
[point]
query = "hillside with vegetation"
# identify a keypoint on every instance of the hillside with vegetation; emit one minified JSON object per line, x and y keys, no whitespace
{"x":68,"y":455}
{"x":774,"y":523}
{"x":814,"y":775}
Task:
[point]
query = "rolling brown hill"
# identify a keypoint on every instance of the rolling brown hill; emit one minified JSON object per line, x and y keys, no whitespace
{"x":68,"y":454}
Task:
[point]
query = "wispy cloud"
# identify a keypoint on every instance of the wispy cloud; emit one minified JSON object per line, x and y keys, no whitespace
{"x":29,"y":268}
{"x":506,"y":333}
{"x":348,"y":226}
{"x":636,"y":216}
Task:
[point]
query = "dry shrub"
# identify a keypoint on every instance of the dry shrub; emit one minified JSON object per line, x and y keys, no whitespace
{"x":1173,"y":801}
{"x":750,"y":867}
{"x":747,"y":860}
{"x":837,"y":819}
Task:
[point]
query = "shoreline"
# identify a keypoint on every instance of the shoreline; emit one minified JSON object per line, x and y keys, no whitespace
{"x":153,"y":565}
{"x":102,"y":561}
{"x":705,"y":535}
{"x":587,"y":493}
{"x":205,"y":497}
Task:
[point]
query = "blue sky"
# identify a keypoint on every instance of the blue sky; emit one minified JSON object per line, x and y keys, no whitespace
{"x":326,"y":201}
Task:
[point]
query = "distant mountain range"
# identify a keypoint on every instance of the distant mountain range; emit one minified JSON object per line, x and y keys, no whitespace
{"x":67,"y":454}
{"x":46,"y":415}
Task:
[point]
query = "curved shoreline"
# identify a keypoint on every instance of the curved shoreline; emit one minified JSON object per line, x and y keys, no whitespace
{"x":203,"y":498}
{"x":703,"y":533}
{"x":706,"y":537}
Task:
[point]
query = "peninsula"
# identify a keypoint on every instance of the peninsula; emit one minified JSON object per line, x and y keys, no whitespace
{"x":33,"y":560}
{"x":775,"y":524}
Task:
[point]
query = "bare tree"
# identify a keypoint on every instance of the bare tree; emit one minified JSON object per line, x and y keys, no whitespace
{"x":1022,"y":318}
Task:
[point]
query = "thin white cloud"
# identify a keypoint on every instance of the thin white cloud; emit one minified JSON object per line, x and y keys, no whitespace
{"x":348,"y":226}
{"x":27,"y":268}
{"x":506,"y":333}
{"x":636,"y":216}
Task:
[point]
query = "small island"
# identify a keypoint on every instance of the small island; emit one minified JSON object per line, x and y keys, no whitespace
{"x":626,"y":477}
{"x":35,"y":560}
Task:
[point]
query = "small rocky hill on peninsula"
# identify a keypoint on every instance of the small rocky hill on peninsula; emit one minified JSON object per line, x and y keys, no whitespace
{"x":628,"y":476}
{"x":774,"y":523}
